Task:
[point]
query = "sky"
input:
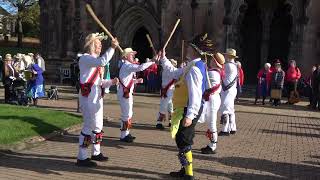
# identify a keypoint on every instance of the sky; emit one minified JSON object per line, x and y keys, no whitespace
{"x":8,"y":7}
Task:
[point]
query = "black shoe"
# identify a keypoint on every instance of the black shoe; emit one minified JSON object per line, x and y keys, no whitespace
{"x":132,"y":137}
{"x":178,"y":174}
{"x":127,"y":139}
{"x":160,"y":126}
{"x":86,"y":163}
{"x":233,"y":132}
{"x":207,"y":150}
{"x":99,"y":157}
{"x":187,"y":177}
{"x":221,"y":133}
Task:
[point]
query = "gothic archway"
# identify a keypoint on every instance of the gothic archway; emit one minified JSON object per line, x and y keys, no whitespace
{"x":250,"y":40}
{"x":141,"y":45}
{"x":280,"y":31}
{"x":131,"y":20}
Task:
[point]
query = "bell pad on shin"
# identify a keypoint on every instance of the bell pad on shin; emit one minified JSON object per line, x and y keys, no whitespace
{"x":97,"y":137}
{"x":86,"y":140}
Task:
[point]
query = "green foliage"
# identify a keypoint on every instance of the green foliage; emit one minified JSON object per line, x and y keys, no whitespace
{"x":15,"y":50}
{"x":18,"y":123}
{"x":31,"y":21}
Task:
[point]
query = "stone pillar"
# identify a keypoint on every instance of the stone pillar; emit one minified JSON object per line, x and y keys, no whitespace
{"x":194,"y":6}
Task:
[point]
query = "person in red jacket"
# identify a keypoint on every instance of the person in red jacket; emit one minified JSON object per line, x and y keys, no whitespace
{"x":264,"y":80}
{"x":240,"y":80}
{"x":293,"y":75}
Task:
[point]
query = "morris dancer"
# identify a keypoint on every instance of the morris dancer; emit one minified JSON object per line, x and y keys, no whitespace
{"x":195,"y":78}
{"x":170,"y":75}
{"x":125,"y":90}
{"x":91,"y":97}
{"x":213,"y":101}
{"x":229,"y":93}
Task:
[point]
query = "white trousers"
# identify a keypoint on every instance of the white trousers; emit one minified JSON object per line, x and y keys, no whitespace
{"x":227,"y":108}
{"x":166,"y":104}
{"x":210,"y":114}
{"x":126,"y":106}
{"x":92,"y":113}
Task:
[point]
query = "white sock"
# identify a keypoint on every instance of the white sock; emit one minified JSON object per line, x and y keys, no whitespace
{"x":95,"y":149}
{"x":124,"y":133}
{"x":82,"y":155}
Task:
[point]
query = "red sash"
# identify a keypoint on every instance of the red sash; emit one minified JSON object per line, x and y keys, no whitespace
{"x":164,"y":90}
{"x":126,"y":90}
{"x":86,"y":87}
{"x":213,"y":89}
{"x":210,"y":91}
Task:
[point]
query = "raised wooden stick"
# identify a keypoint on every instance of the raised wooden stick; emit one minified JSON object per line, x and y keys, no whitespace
{"x":171,"y":34}
{"x":151,"y":44}
{"x":182,"y":51}
{"x":96,"y":19}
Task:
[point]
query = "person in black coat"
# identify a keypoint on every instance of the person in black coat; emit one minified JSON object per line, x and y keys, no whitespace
{"x":315,"y":81}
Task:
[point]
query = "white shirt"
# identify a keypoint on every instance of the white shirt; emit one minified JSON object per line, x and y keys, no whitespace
{"x":230,"y":73}
{"x":127,"y":72}
{"x":215,"y":79}
{"x":88,"y":63}
{"x":169,"y":72}
{"x":194,"y":82}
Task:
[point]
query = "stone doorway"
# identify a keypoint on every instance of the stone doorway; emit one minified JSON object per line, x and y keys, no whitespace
{"x":251,"y":37}
{"x":280,"y":31}
{"x":141,"y":45}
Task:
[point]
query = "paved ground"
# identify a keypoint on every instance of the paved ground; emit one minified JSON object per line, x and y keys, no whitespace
{"x":270,"y":144}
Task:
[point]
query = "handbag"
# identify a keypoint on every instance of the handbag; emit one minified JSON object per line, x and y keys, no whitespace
{"x":276,"y":93}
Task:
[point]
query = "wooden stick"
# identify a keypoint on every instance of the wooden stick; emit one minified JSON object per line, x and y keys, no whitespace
{"x":96,"y":19}
{"x":171,"y":34}
{"x":182,"y":51}
{"x":151,"y":44}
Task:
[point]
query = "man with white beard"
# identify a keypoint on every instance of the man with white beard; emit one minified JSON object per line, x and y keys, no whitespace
{"x":91,"y":97}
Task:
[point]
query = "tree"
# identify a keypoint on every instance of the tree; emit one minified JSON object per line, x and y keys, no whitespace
{"x":31,"y":21}
{"x":21,"y":6}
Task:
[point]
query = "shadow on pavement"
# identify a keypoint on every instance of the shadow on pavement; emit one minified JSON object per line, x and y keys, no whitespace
{"x":46,"y":165}
{"x":282,"y":169}
{"x":290,"y":133}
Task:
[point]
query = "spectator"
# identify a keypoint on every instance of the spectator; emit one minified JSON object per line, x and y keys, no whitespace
{"x":316,"y":88}
{"x":293,"y":74}
{"x":277,"y":80}
{"x":36,"y":89}
{"x":308,"y":82}
{"x":40,"y":61}
{"x":240,"y":80}
{"x":9,"y":75}
{"x":264,"y":80}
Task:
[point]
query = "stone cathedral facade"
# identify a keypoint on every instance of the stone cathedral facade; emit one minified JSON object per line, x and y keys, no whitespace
{"x":260,"y":30}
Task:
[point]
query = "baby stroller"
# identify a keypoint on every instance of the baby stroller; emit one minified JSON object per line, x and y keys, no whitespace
{"x":17,"y":91}
{"x":53,"y":93}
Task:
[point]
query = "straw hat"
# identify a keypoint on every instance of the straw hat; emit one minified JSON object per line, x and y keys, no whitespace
{"x":219,"y":59}
{"x":19,"y":56}
{"x":92,"y":37}
{"x":231,"y":53}
{"x":127,"y":51}
{"x":173,"y":62}
{"x":8,"y":57}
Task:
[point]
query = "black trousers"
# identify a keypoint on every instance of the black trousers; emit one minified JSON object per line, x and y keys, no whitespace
{"x":185,"y":135}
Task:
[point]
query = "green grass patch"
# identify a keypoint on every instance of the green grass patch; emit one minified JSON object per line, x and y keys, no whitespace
{"x":18,"y":123}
